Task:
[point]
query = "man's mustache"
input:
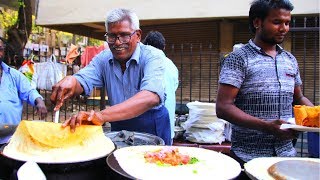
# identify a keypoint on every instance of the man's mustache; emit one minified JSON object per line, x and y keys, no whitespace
{"x":121,"y":46}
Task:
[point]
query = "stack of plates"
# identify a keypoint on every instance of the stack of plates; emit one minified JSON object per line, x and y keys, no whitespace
{"x":203,"y":125}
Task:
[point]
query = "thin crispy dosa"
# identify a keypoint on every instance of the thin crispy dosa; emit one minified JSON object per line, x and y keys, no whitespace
{"x":48,"y":142}
{"x":307,"y":116}
{"x":211,"y":165}
{"x":295,"y":169}
{"x":53,"y":135}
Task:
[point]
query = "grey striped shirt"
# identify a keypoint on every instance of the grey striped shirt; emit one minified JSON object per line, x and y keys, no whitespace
{"x":266,"y":87}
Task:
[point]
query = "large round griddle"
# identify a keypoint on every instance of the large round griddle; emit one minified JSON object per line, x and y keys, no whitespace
{"x":138,"y":139}
{"x":123,"y":162}
{"x":91,"y":169}
{"x":52,"y":166}
{"x":7,"y":129}
{"x":114,"y":165}
{"x":295,"y":169}
{"x":257,"y":168}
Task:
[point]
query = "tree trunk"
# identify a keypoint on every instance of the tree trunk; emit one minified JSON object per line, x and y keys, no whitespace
{"x":18,"y":34}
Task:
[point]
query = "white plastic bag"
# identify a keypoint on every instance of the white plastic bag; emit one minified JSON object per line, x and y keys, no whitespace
{"x":51,"y":72}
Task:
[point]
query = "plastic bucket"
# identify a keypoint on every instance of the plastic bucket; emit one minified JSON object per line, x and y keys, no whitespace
{"x":313,"y":144}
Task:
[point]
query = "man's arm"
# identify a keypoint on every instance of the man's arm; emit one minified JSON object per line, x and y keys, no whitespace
{"x":41,"y":108}
{"x":65,"y":89}
{"x":135,"y":106}
{"x":299,"y":98}
{"x":226,"y":110}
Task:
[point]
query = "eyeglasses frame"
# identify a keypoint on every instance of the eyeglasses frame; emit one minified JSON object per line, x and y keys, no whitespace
{"x":118,"y":38}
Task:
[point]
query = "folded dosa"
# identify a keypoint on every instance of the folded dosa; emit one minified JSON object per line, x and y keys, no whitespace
{"x":49,"y":142}
{"x":307,"y":115}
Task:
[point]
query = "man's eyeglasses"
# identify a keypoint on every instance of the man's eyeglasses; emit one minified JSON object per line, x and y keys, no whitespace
{"x":123,"y":38}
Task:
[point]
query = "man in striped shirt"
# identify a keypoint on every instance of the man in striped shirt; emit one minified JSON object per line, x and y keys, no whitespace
{"x":258,"y":84}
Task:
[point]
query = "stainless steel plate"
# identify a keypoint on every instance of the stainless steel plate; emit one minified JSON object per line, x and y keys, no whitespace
{"x":139,"y":139}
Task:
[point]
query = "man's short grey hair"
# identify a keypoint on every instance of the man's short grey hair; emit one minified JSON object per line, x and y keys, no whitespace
{"x":119,"y":14}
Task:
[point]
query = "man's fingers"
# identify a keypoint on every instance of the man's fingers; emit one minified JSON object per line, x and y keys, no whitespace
{"x":68,"y":94}
{"x":91,"y":116}
{"x":73,"y":122}
{"x":53,"y":96}
{"x":66,"y":123}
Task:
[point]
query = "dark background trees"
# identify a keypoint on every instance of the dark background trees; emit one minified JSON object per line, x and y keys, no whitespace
{"x":18,"y":33}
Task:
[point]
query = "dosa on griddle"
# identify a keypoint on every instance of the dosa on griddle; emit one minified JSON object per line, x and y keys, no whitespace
{"x":49,"y":142}
{"x":211,"y":165}
{"x":53,"y":135}
{"x":295,"y":169}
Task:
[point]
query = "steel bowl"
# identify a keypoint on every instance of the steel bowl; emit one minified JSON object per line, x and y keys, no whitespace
{"x":178,"y":132}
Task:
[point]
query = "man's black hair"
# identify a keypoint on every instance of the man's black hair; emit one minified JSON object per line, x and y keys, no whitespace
{"x":261,"y":8}
{"x":155,"y":39}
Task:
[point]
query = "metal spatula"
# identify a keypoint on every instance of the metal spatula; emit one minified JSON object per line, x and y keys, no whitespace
{"x":56,"y":116}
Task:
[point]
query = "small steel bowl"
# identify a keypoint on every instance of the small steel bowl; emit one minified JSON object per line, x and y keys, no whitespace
{"x":178,"y":132}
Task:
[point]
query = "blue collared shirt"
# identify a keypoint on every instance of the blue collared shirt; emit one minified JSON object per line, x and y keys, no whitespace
{"x":171,"y":84}
{"x":14,"y":89}
{"x":144,"y":71}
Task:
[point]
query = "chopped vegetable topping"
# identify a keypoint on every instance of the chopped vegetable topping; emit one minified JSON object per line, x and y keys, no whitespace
{"x":194,"y":171}
{"x":193,"y":160}
{"x":169,"y":156}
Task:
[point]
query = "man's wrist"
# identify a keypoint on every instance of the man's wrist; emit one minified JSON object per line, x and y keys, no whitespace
{"x":37,"y":100}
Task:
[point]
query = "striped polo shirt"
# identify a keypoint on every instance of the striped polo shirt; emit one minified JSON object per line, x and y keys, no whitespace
{"x":266,"y":87}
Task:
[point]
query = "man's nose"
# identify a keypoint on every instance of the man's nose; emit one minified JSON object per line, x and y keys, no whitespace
{"x":117,"y":41}
{"x":284,"y":27}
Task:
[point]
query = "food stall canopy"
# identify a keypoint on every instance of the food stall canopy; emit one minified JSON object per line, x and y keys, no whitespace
{"x":87,"y":18}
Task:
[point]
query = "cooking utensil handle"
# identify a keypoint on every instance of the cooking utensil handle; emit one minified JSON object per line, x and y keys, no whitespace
{"x":56,"y":117}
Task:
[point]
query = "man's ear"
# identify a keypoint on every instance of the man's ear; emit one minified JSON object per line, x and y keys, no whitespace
{"x":257,"y":23}
{"x":139,"y":33}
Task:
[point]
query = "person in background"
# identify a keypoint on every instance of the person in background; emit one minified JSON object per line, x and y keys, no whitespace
{"x":133,"y":75}
{"x":14,"y":89}
{"x":156,"y":39}
{"x":258,"y":84}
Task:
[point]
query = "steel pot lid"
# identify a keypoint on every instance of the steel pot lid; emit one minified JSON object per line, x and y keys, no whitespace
{"x":131,"y":138}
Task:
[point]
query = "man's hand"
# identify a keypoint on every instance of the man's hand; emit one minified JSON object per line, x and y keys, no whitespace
{"x":83,"y":117}
{"x":41,"y":108}
{"x":65,"y":89}
{"x":283,"y":134}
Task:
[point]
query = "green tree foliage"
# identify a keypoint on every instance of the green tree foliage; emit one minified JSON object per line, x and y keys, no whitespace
{"x":8,"y":18}
{"x":95,"y":42}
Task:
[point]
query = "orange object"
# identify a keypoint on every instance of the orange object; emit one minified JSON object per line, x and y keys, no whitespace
{"x":307,"y":115}
{"x":72,"y":54}
{"x":89,"y":53}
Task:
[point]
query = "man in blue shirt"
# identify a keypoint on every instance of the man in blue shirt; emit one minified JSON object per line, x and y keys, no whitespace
{"x":171,"y":74}
{"x":133,"y":75}
{"x":15,"y":88}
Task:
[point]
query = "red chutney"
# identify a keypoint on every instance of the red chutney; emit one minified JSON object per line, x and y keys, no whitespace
{"x":169,"y":156}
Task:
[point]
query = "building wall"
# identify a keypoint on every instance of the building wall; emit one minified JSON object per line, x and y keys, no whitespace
{"x":194,"y":48}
